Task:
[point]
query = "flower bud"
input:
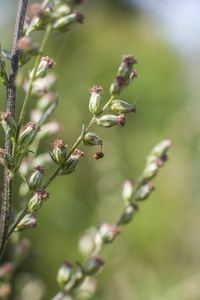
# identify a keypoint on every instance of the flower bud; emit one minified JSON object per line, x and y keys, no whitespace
{"x":144,"y":191}
{"x":70,"y":165}
{"x":8,"y":124}
{"x":37,"y":200}
{"x":6,"y":159}
{"x":111,"y":120}
{"x":35,"y":181}
{"x":160,"y":151}
{"x":150,"y":170}
{"x":118,"y":85}
{"x":59,"y":152}
{"x":64,"y":274}
{"x":127,"y":214}
{"x":26,"y":134}
{"x":120,"y":106}
{"x":41,"y":17}
{"x":126,"y":67}
{"x":28,"y":45}
{"x":45,"y":64}
{"x":127,"y":191}
{"x":93,"y":265}
{"x":95,"y":99}
{"x":106,"y":234}
{"x":91,"y":139}
{"x":24,"y":57}
{"x":42,"y":85}
{"x":62,"y":10}
{"x":98,"y":155}
{"x":3,"y":75}
{"x":29,"y":221}
{"x":65,"y":23}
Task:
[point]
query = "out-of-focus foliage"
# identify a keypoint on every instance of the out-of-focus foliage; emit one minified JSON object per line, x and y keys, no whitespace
{"x":156,"y":256}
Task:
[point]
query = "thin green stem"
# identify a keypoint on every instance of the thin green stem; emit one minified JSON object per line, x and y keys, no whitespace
{"x":20,"y":217}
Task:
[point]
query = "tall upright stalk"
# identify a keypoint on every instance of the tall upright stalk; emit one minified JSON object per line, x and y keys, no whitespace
{"x":11,"y":100}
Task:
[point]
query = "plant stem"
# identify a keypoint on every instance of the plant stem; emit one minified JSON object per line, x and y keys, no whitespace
{"x":11,"y":99}
{"x":20,"y":217}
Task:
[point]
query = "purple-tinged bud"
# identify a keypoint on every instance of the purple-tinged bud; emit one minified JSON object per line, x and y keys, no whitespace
{"x":133,"y":75}
{"x":47,"y":99}
{"x":8,"y":124}
{"x":3,"y":75}
{"x":45,"y":64}
{"x":150,"y":170}
{"x":127,"y":214}
{"x":120,"y":106}
{"x":37,"y":200}
{"x":144,"y":191}
{"x":59,"y":152}
{"x":70,"y":165}
{"x":29,"y":45}
{"x":6,"y":270}
{"x":64,"y":274}
{"x":26,"y":134}
{"x":29,"y":221}
{"x":106,"y":234}
{"x":95,"y":99}
{"x":118,"y":85}
{"x":111,"y":120}
{"x":160,"y":151}
{"x":6,"y":159}
{"x":91,"y":139}
{"x":93,"y":265}
{"x":126,"y":67}
{"x":35,"y":181}
{"x":127,"y":191}
{"x":65,"y":23}
{"x":98,"y":155}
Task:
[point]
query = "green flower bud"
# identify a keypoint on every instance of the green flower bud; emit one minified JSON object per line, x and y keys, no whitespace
{"x":41,"y":17}
{"x":111,"y":120}
{"x":29,"y":221}
{"x":127,"y":214}
{"x":70,"y":165}
{"x":65,"y":23}
{"x":35,"y":181}
{"x":160,"y":151}
{"x":91,"y":139}
{"x":118,"y":85}
{"x":8,"y":124}
{"x":127,"y":191}
{"x":120,"y":106}
{"x":6,"y":159}
{"x":59,"y":152}
{"x":28,"y":45}
{"x":62,"y":10}
{"x":3,"y":75}
{"x":150,"y":170}
{"x":144,"y":191}
{"x":64,"y":274}
{"x":126,"y":67}
{"x":45,"y":64}
{"x":26,"y":134}
{"x":106,"y":234}
{"x":37,"y":200}
{"x":93,"y":265}
{"x":95,"y":99}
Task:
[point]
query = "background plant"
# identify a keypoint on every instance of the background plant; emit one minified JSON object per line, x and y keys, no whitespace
{"x":147,"y":143}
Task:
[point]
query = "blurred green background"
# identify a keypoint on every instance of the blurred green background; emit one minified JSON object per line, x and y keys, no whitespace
{"x":157,"y":256}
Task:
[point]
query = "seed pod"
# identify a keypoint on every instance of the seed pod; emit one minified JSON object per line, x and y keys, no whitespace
{"x":93,"y":265}
{"x":95,"y":99}
{"x":59,"y":152}
{"x":37,"y":200}
{"x":120,"y":106}
{"x":91,"y":139}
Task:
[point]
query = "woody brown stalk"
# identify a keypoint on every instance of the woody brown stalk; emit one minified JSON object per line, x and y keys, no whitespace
{"x":11,"y":99}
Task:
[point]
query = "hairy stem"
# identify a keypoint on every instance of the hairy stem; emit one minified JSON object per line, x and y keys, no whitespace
{"x":11,"y":99}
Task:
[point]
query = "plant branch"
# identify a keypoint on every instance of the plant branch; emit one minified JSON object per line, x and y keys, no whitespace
{"x":11,"y":100}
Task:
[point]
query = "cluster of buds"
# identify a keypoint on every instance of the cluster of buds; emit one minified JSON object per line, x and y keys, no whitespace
{"x":125,"y":75}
